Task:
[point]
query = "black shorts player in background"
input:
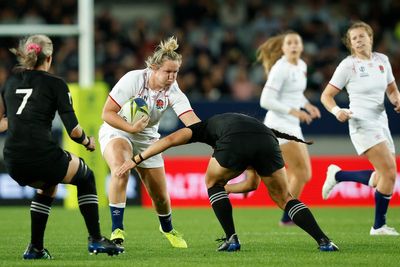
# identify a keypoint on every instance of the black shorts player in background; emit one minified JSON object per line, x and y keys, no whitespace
{"x":30,"y":98}
{"x":240,"y":142}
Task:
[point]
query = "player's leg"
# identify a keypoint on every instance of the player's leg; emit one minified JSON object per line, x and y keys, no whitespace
{"x":277,"y":185}
{"x":298,"y":164}
{"x":385,"y":166}
{"x":216,"y":177}
{"x":155,"y":182}
{"x":40,"y":210}
{"x":82,"y":176}
{"x":115,"y":153}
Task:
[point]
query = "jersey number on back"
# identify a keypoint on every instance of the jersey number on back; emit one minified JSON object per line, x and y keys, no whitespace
{"x":27,"y":93}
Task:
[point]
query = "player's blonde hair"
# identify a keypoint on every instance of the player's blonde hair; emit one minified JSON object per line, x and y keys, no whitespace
{"x":32,"y":51}
{"x":271,"y":50}
{"x":358,"y":24}
{"x":165,"y":51}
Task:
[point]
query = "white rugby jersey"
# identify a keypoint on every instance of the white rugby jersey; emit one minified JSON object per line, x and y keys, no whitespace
{"x":289,"y":82}
{"x":366,"y":82}
{"x":135,"y":84}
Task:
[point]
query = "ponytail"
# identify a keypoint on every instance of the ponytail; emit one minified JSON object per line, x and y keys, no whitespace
{"x":290,"y":137}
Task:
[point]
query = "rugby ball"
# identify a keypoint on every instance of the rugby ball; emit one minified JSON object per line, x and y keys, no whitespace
{"x":133,"y":110}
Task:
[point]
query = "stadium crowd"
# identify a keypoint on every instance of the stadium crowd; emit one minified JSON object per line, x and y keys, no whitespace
{"x":217,"y":39}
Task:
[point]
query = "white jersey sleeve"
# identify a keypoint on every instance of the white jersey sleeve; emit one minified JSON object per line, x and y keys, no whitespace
{"x":178,"y":101}
{"x":269,"y":96}
{"x":277,"y":76}
{"x":128,"y":86}
{"x":342,"y":74}
{"x":389,"y":73}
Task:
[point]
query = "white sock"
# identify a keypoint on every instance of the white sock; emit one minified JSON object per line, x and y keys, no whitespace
{"x":371,"y":179}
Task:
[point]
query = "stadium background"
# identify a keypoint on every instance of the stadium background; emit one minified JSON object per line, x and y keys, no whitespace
{"x":219,"y":73}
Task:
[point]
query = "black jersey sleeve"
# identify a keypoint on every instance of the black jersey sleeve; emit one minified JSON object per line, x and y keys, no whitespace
{"x":65,"y":108}
{"x":197,"y":132}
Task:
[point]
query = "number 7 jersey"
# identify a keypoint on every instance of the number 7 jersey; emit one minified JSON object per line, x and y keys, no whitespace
{"x":31,"y":99}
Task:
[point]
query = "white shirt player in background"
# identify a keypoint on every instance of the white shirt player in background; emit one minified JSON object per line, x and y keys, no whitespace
{"x":283,"y":96}
{"x":120,"y":140}
{"x":367,"y":76}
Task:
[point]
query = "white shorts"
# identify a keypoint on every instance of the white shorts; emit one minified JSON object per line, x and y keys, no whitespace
{"x":366,"y":134}
{"x":108,"y":133}
{"x":294,"y":130}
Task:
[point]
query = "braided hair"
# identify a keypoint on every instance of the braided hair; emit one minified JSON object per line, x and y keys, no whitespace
{"x":290,"y":137}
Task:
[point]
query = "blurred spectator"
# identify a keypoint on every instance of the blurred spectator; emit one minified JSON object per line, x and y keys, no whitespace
{"x":217,"y":38}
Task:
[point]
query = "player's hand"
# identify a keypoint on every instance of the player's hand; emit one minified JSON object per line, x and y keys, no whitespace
{"x":91,"y":146}
{"x":313,"y":111}
{"x":302,"y":115}
{"x":127,"y":166}
{"x":140,"y":124}
{"x":343,"y":114}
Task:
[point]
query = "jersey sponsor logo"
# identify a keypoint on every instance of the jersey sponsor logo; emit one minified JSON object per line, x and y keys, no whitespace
{"x":159,"y":104}
{"x":362,"y":72}
{"x":116,"y":213}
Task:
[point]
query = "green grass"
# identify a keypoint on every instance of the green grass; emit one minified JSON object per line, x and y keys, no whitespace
{"x":264,"y":243}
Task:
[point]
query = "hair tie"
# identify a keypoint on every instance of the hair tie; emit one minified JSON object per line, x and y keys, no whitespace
{"x":34,"y":47}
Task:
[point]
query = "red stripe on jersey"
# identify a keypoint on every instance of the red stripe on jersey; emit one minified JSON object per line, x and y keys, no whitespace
{"x":185,"y":112}
{"x":335,"y":87}
{"x":114,"y":101}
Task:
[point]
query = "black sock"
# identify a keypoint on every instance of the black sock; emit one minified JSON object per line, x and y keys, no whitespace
{"x":222,"y":208}
{"x":303,"y":218}
{"x":381,"y":207}
{"x":166,"y":222}
{"x":87,"y":199}
{"x":40,"y":210}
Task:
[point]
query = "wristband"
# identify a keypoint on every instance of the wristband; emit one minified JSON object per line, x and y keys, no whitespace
{"x":335,"y":110}
{"x":80,"y":139}
{"x":141,"y":157}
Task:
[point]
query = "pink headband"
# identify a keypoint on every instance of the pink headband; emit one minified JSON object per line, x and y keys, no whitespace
{"x":33,"y":47}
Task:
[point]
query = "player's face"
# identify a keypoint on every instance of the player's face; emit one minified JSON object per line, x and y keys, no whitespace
{"x":292,"y":46}
{"x":360,"y":41}
{"x":167,"y":73}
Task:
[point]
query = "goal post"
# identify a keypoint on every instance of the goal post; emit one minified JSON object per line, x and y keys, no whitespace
{"x":84,"y":30}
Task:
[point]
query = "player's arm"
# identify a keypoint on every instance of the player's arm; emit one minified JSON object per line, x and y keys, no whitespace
{"x":328,"y":100}
{"x":110,"y":115}
{"x":68,"y":116}
{"x":189,"y":118}
{"x":177,"y":138}
{"x":3,"y":119}
{"x":394,"y":96}
{"x":250,"y":183}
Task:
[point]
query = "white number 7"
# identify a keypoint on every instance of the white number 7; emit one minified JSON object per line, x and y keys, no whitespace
{"x":28,"y":93}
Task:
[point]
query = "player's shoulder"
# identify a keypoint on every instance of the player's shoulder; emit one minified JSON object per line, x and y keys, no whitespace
{"x":134,"y":74}
{"x":280,"y":67}
{"x":347,"y":62}
{"x":52,"y":78}
{"x":280,"y":63}
{"x":174,"y":89}
{"x":380,"y":57}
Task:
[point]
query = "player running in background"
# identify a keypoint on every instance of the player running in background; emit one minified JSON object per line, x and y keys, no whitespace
{"x":283,"y":97}
{"x":120,"y":140}
{"x":30,"y":98}
{"x":239,"y":142}
{"x":367,"y":76}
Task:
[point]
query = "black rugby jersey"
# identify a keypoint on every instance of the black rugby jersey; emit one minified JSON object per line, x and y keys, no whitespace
{"x":31,"y":99}
{"x":224,"y":125}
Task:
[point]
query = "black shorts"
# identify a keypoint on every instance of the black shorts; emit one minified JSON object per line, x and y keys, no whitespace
{"x":240,"y":151}
{"x":51,"y":170}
